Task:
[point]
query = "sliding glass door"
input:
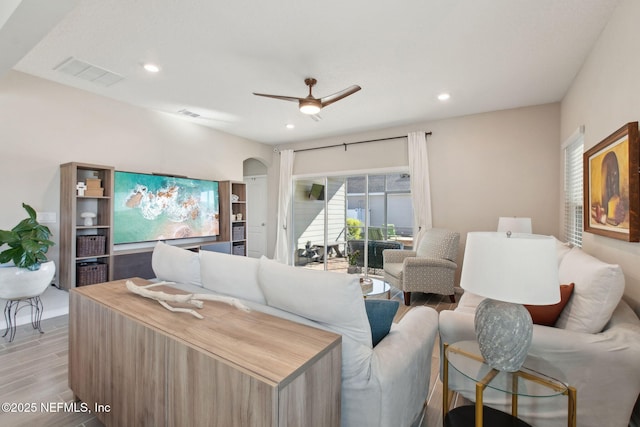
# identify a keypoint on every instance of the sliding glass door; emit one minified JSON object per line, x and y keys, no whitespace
{"x":319,"y":222}
{"x":348,"y":220}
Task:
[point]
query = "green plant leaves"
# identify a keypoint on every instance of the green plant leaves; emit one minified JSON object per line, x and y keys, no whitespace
{"x":28,"y":242}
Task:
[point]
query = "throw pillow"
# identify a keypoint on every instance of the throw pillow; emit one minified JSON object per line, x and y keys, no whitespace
{"x":380,"y":314}
{"x":547,"y":315}
{"x":174,"y":264}
{"x":598,"y":289}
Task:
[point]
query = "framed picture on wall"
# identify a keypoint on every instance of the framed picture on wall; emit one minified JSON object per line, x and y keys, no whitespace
{"x":611,"y":186}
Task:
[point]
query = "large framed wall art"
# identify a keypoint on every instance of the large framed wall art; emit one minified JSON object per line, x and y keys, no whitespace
{"x":611,"y":186}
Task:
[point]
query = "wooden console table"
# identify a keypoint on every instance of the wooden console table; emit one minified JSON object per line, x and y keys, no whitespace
{"x":153,"y":367}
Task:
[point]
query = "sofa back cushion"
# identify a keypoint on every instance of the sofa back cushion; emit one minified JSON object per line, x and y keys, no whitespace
{"x":598,"y":289}
{"x":174,"y":264}
{"x":231,"y":275}
{"x":334,"y":299}
{"x":562,"y":249}
{"x":439,"y":243}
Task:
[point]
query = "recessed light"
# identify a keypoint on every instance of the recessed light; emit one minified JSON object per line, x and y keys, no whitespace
{"x":152,"y":68}
{"x":444,"y":96}
{"x":290,"y":126}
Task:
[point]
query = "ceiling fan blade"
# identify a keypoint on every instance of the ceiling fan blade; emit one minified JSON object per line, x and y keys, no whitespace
{"x":328,"y":100}
{"x":285,"y":98}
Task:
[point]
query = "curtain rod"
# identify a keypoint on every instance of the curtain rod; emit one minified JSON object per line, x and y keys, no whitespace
{"x":345,"y":144}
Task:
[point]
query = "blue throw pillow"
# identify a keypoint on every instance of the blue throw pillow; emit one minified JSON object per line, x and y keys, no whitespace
{"x":380,"y":313}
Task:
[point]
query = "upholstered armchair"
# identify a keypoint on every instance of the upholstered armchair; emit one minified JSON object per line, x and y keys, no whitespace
{"x":429,"y":269}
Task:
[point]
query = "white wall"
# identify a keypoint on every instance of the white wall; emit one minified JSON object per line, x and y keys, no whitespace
{"x":482,"y":166}
{"x":44,"y":124}
{"x":603,"y":97}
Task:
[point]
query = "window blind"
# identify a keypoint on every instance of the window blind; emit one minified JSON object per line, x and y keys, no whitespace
{"x":573,"y":193}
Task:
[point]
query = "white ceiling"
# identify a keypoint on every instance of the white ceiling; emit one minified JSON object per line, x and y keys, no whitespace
{"x":489,"y":54}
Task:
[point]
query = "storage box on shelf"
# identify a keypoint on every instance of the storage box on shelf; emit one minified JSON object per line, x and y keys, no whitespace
{"x":238,"y":232}
{"x":86,"y":251}
{"x":92,"y":245}
{"x":233,"y":215}
{"x":90,"y":273}
{"x":93,"y":188}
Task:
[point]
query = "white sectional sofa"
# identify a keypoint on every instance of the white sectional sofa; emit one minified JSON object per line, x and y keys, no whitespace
{"x":385,"y":385}
{"x":595,"y":345}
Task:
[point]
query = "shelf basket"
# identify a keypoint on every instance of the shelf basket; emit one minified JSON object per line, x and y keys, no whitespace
{"x":90,"y":273}
{"x":238,"y":232}
{"x":90,"y":245}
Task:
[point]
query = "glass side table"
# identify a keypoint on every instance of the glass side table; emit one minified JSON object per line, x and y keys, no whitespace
{"x":465,"y":359}
{"x":379,"y":288}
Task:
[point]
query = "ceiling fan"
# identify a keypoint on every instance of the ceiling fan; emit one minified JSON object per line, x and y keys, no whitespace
{"x":311,"y":105}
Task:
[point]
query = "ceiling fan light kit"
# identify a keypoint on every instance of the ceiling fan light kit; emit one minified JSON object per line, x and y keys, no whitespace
{"x":311,"y":105}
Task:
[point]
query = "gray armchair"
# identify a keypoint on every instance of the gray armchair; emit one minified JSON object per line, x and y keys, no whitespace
{"x":429,"y":269}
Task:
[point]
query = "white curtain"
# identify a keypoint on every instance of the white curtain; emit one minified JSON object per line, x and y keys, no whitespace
{"x":283,"y":249}
{"x":420,"y":188}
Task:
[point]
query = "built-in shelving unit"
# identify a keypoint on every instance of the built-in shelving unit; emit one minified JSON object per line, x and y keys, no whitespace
{"x":81,"y":265}
{"x":233,"y":215}
{"x":86,"y":254}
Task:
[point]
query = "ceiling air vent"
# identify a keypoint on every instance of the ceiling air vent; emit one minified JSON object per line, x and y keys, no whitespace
{"x":188,"y":113}
{"x":85,"y":71}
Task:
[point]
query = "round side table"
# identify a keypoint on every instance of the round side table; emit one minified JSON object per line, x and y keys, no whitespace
{"x":380,"y":289}
{"x":468,"y":365}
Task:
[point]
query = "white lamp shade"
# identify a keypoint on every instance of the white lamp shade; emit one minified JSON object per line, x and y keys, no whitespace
{"x":514,"y":224}
{"x":521,"y":269}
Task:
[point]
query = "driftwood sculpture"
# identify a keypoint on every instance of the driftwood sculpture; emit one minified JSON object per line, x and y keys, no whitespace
{"x":194,"y":299}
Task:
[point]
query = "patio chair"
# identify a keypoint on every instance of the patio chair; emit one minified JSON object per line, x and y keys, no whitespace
{"x":376,"y":250}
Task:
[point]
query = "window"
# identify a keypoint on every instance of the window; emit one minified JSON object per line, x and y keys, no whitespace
{"x":573,"y":149}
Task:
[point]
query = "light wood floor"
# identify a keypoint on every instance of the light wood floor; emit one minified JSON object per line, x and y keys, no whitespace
{"x":33,"y":369}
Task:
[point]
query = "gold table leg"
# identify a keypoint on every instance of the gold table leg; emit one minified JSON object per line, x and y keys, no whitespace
{"x":573,"y":403}
{"x":445,"y":382}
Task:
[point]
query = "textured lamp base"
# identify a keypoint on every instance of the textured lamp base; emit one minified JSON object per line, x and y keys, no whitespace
{"x":504,"y":332}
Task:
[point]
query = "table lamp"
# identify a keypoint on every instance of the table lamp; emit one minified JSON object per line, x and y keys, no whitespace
{"x":508,"y":269}
{"x":514,"y":224}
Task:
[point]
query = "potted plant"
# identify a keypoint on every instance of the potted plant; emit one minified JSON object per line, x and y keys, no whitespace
{"x":353,"y":260}
{"x":25,"y":272}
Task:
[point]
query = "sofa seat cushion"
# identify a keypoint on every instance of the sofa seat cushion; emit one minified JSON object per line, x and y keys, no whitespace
{"x":231,"y":275}
{"x":174,"y":264}
{"x":598,"y":289}
{"x":394,"y":269}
